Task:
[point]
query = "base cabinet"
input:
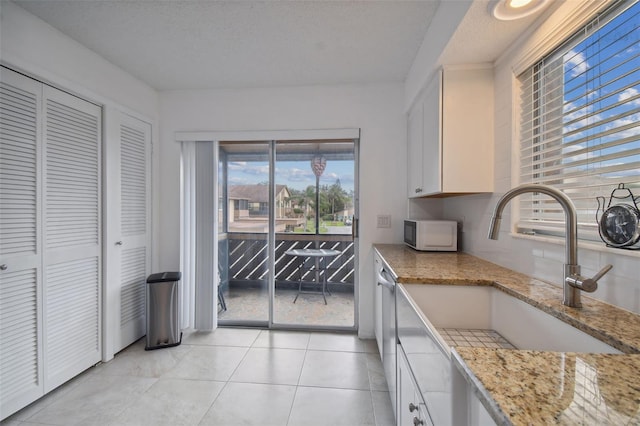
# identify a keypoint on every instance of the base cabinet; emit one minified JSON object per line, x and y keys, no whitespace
{"x":411,"y":409}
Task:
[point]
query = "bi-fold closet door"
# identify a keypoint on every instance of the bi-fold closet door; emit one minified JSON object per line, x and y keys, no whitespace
{"x":50,"y":238}
{"x":128,"y":237}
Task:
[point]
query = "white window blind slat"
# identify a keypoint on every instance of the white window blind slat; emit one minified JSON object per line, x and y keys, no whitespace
{"x":580,"y":121}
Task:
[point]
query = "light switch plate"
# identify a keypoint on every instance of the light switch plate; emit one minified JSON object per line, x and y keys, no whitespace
{"x":384,"y":221}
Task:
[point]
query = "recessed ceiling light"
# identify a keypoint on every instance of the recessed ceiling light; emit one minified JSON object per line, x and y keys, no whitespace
{"x":508,"y":10}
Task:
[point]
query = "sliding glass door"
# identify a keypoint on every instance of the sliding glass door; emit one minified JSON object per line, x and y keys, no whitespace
{"x":314,"y":266}
{"x":286,"y":244}
{"x":244,"y":207}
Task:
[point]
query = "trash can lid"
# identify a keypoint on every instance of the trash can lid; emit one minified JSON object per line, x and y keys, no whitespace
{"x":162,"y":277}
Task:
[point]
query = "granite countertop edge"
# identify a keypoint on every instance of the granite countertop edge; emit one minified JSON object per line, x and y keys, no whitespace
{"x":492,"y":406}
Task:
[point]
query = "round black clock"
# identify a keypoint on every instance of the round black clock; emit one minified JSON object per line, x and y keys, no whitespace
{"x":620,"y":225}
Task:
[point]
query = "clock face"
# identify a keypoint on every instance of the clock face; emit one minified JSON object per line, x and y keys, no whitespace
{"x":620,"y":226}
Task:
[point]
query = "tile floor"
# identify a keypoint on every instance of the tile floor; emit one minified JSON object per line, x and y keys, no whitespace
{"x":227,"y":377}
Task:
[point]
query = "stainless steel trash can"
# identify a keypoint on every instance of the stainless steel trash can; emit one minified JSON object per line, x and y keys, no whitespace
{"x":163,"y":319}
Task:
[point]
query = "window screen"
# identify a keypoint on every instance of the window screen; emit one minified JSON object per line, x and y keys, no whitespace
{"x":580,"y":121}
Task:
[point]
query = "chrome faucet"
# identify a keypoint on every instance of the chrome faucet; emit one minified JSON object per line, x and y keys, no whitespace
{"x":573,"y":282}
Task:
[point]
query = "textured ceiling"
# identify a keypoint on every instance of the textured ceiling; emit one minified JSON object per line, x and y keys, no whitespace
{"x":188,"y":44}
{"x":482,"y":38}
{"x":201,"y":44}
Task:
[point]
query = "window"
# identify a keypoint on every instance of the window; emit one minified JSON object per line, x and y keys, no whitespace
{"x":580,"y":121}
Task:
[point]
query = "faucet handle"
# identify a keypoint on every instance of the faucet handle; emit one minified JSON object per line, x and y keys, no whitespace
{"x":587,"y":284}
{"x":602,"y":271}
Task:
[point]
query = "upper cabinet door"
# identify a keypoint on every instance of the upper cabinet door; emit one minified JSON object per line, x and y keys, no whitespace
{"x":432,"y":137}
{"x":414,"y":152}
{"x":20,"y":254}
{"x":467,"y":139}
{"x":454,"y":153}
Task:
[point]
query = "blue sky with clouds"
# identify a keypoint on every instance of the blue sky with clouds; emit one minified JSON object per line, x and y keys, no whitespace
{"x":294,"y":174}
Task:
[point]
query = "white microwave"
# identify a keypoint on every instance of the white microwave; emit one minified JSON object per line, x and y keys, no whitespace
{"x":431,"y":235}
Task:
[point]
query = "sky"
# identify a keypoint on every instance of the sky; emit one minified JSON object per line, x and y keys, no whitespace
{"x":294,"y":174}
{"x":601,"y":83}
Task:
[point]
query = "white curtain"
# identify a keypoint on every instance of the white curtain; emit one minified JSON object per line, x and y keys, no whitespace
{"x":187,"y":222}
{"x":198,"y":251}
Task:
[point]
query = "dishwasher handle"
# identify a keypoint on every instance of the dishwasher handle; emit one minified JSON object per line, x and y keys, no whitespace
{"x":384,"y":281}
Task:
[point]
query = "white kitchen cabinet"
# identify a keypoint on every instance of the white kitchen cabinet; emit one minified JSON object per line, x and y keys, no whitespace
{"x":450,"y":135}
{"x":411,"y":408}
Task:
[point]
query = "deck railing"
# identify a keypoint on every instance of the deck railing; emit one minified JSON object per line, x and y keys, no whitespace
{"x":244,"y":260}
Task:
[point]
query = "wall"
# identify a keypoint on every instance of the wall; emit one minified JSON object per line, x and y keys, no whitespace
{"x":30,"y":44}
{"x":376,"y":109}
{"x":541,"y":259}
{"x":441,"y":28}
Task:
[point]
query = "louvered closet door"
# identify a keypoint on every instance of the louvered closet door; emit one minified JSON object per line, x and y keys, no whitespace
{"x":135,"y":256}
{"x":72,"y":236}
{"x":20,"y":261}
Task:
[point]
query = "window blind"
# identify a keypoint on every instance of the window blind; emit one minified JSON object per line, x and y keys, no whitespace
{"x":580,"y":121}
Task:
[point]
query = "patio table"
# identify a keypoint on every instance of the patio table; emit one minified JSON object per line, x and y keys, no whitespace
{"x":319,"y":256}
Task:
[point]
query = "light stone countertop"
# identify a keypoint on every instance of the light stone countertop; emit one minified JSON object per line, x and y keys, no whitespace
{"x":533,"y":387}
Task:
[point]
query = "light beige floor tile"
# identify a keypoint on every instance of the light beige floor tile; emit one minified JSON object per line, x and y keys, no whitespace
{"x":275,"y":366}
{"x":346,"y":342}
{"x":221,"y":337}
{"x":47,"y":399}
{"x":251,"y":404}
{"x":382,"y":409}
{"x":172,"y":402}
{"x":376,"y":372}
{"x":335,"y":407}
{"x":340,"y":377}
{"x":282,"y":339}
{"x":345,"y":370}
{"x":208,"y":363}
{"x":22,"y":424}
{"x":135,"y":361}
{"x":95,"y":398}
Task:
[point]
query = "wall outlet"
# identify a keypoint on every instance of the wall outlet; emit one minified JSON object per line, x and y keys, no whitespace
{"x":384,"y":221}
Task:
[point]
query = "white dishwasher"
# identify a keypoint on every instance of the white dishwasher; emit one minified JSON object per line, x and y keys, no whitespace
{"x":386,"y":286}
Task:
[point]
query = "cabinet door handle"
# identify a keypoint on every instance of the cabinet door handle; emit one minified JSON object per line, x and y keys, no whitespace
{"x":412,"y":407}
{"x":4,"y":267}
{"x":118,"y":243}
{"x":418,"y":190}
{"x":418,"y":422}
